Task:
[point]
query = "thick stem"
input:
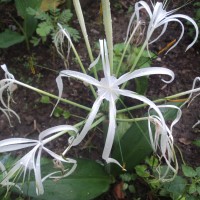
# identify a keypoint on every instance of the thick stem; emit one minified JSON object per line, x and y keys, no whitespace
{"x":107,"y":20}
{"x":81,"y":20}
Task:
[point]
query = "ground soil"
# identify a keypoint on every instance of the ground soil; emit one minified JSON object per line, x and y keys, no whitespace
{"x":35,"y":116}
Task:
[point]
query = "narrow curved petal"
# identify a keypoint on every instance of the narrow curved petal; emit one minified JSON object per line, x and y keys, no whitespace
{"x":110,"y":134}
{"x":89,"y":121}
{"x":38,"y":176}
{"x":191,"y":21}
{"x":78,"y":75}
{"x":56,"y":129}
{"x":14,"y":144}
{"x":133,"y":95}
{"x":182,"y":32}
{"x":146,"y":72}
{"x":162,"y":32}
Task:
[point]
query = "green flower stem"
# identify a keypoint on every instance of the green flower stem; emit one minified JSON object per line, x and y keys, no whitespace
{"x":107,"y":20}
{"x":81,"y":20}
{"x":132,"y":120}
{"x":160,"y":100}
{"x":50,"y":95}
{"x":126,"y":47}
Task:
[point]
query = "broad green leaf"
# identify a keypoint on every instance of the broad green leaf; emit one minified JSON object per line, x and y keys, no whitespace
{"x":22,"y":5}
{"x":9,"y":38}
{"x":133,"y":147}
{"x":30,"y":23}
{"x":88,"y":181}
{"x":176,"y":187}
{"x":188,"y":171}
{"x":122,"y":127}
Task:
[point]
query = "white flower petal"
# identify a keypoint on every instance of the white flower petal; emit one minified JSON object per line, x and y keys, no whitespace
{"x":56,"y":129}
{"x":146,"y":72}
{"x":193,"y":23}
{"x":89,"y":121}
{"x":14,"y":144}
{"x":110,"y":134}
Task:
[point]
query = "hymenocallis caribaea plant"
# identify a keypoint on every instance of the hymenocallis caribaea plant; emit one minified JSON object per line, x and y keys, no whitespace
{"x":107,"y":92}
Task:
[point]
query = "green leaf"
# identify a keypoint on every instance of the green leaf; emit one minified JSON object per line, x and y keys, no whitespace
{"x":141,"y":170}
{"x":65,"y":16}
{"x":57,"y":112}
{"x":192,"y":189}
{"x":133,"y":147}
{"x":22,"y":5}
{"x":66,"y":114}
{"x":198,"y":189}
{"x":152,"y":161}
{"x":44,"y":29}
{"x":30,"y":23}
{"x":122,"y":127}
{"x":188,"y":171}
{"x":45,"y":99}
{"x":9,"y":38}
{"x":88,"y":181}
{"x":176,"y":187}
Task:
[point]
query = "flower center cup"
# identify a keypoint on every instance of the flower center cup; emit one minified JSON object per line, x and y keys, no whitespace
{"x":108,"y":88}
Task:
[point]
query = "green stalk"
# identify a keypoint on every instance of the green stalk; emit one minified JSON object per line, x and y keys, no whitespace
{"x":50,"y":95}
{"x":125,"y":49}
{"x":81,"y":20}
{"x":160,"y":100}
{"x":107,"y":20}
{"x":132,"y":120}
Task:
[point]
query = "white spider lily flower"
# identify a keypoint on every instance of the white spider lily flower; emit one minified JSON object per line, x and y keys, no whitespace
{"x":108,"y":89}
{"x":31,"y":161}
{"x":166,"y":140}
{"x":159,"y":17}
{"x":7,"y":85}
